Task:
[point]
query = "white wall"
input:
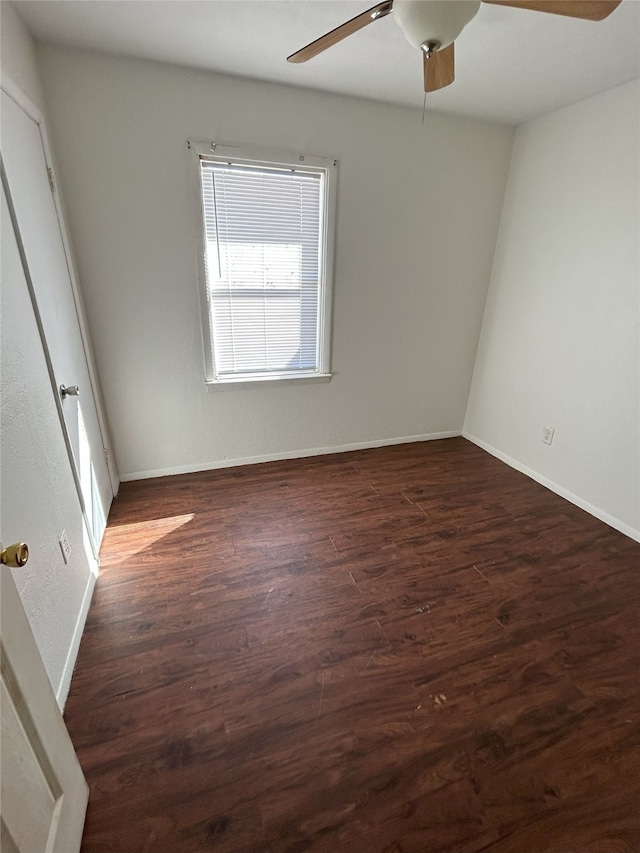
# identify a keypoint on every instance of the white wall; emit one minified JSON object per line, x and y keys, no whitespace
{"x":418,"y":211}
{"x":560,"y":337}
{"x":18,"y":55}
{"x":38,"y":499}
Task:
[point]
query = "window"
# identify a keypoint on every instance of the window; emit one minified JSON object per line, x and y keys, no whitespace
{"x":266,"y":226}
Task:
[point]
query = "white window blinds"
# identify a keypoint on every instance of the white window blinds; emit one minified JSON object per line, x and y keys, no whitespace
{"x":263,"y":253}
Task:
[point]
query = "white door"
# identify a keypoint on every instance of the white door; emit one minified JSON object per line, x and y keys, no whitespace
{"x":43,"y":793}
{"x":27,"y":172}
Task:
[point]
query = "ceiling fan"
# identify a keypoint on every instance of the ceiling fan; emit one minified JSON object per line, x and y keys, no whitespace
{"x":433,"y":26}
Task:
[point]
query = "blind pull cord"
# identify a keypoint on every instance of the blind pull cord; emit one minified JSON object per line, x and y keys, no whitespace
{"x":215,"y":216}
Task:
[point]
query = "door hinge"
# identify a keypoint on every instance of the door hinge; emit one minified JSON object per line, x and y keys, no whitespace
{"x":52,"y":180}
{"x":106,"y":455}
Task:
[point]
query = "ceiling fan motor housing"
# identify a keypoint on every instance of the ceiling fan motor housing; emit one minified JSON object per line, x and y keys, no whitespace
{"x":440,"y":21}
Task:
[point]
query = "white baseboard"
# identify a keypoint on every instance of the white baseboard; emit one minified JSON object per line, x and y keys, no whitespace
{"x":554,"y":487}
{"x":293,"y":454}
{"x":65,"y":679}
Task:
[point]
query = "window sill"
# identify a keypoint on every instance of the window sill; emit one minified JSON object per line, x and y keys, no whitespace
{"x":262,"y":381}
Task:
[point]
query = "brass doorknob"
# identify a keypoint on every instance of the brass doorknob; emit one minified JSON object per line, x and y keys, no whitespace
{"x":15,"y":555}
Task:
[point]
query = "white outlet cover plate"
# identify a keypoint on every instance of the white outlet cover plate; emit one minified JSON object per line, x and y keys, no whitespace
{"x":547,"y":434}
{"x":65,"y":547}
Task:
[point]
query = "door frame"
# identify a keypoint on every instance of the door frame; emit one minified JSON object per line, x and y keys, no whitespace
{"x":26,"y":105}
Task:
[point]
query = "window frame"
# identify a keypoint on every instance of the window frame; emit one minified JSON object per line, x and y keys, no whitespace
{"x":257,"y":156}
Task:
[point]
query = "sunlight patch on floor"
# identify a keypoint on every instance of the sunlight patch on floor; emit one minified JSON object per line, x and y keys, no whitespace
{"x":128,"y":539}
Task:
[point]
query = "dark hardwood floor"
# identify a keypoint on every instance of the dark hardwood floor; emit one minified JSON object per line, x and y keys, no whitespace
{"x":413,"y":649}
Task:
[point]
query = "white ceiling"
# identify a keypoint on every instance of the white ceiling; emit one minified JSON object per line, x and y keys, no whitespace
{"x":511,"y":65}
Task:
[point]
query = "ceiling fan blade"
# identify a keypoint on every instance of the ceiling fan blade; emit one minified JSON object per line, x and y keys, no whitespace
{"x":589,"y":10}
{"x":341,"y":32}
{"x":439,"y":69}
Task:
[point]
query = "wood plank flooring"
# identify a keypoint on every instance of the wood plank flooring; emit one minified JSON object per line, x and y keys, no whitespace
{"x":412,"y":649}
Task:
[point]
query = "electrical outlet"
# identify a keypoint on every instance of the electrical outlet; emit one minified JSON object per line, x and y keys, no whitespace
{"x":65,"y":547}
{"x":547,"y":434}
